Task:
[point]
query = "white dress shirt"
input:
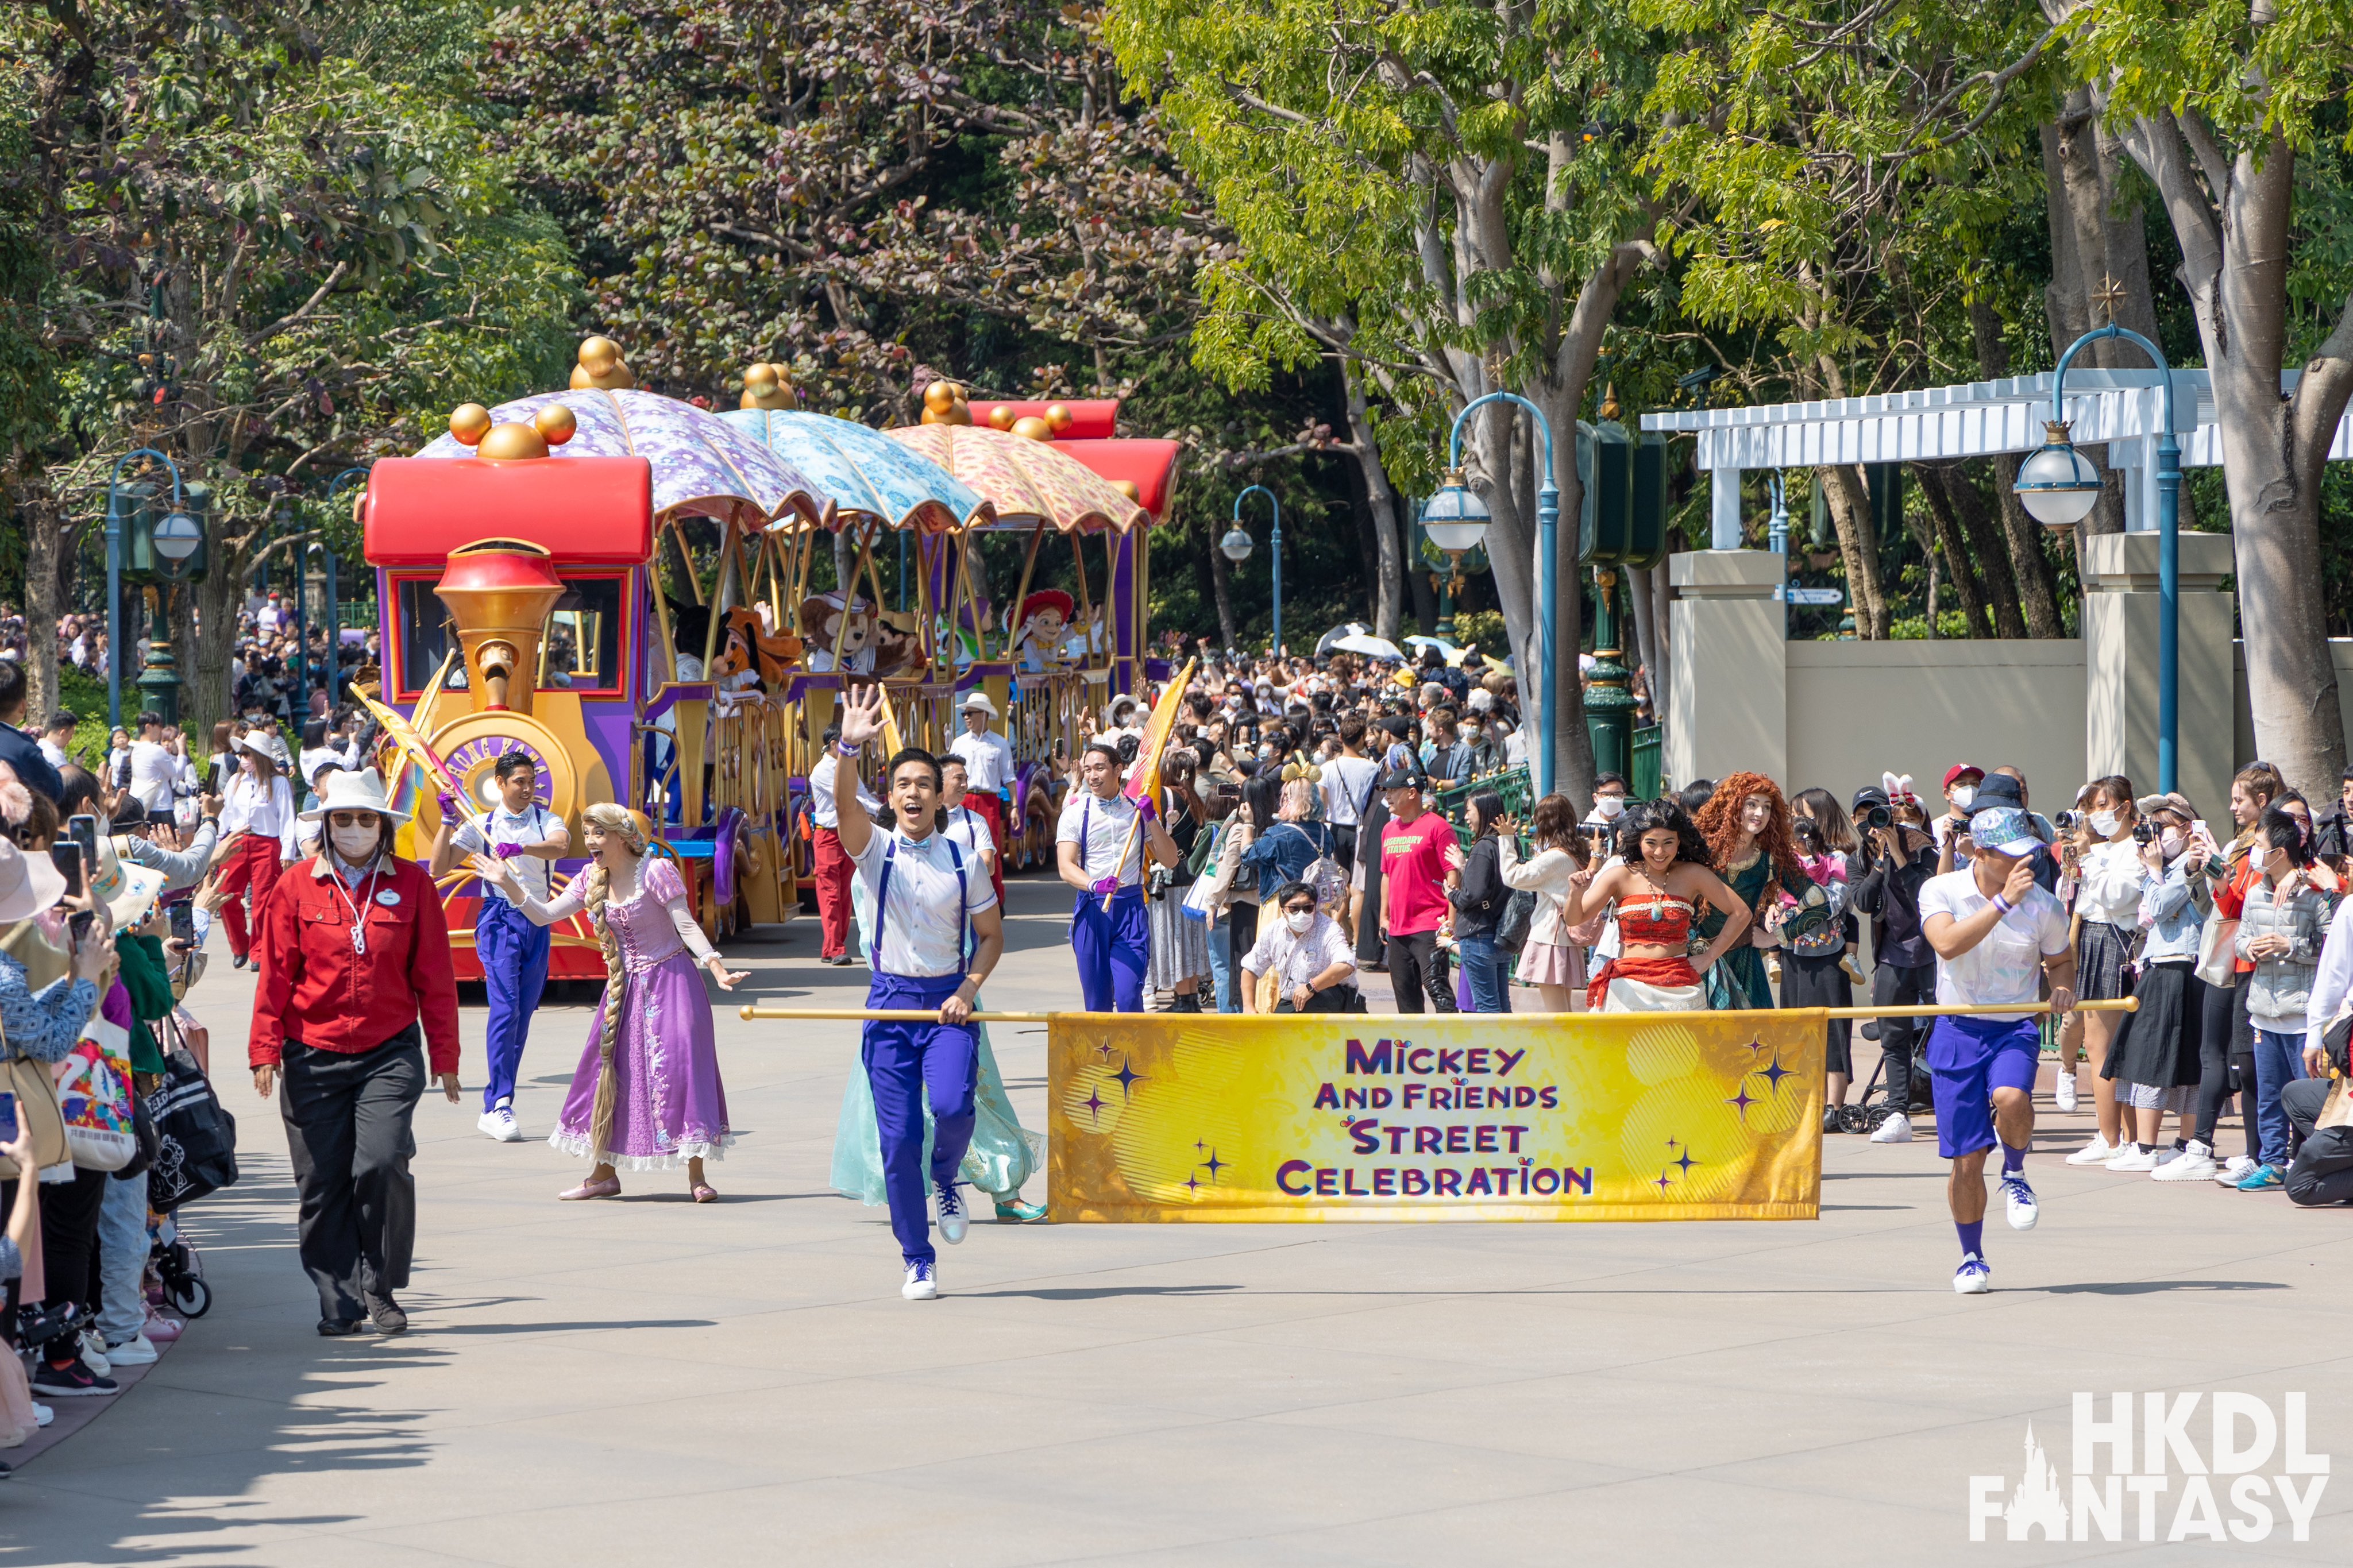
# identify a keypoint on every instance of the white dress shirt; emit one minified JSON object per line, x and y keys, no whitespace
{"x":987,"y":760}
{"x":821,"y":784}
{"x":970,"y":829}
{"x":153,"y":770}
{"x":1101,"y":829}
{"x":923,"y":922}
{"x":535,"y":826}
{"x":265,"y":811}
{"x":1299,"y":959}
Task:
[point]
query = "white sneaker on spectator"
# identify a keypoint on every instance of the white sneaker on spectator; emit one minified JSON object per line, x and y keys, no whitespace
{"x":1896,"y":1129}
{"x":2234,"y":1170}
{"x":2063,"y":1092}
{"x":94,"y":1353}
{"x":137,"y":1351}
{"x":2098,"y":1152}
{"x":2196,"y":1164}
{"x":43,"y":1415}
{"x":2133,"y":1158}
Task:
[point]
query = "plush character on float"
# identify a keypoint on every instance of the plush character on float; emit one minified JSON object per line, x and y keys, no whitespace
{"x":843,"y":631}
{"x":1045,"y":623}
{"x":751,"y":649}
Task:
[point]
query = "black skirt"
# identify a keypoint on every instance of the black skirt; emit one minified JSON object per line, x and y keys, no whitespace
{"x":2101,"y":953}
{"x":2157,"y":1046}
{"x":1819,"y":982}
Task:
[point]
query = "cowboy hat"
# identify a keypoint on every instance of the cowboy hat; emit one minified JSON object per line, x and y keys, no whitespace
{"x":361,"y":791}
{"x":978,"y":699}
{"x":127,"y":891}
{"x":29,"y":883}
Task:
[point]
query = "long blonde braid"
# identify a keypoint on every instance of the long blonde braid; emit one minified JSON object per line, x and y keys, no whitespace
{"x":619,"y":820}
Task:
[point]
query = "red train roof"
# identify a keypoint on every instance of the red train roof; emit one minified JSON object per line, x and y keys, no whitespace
{"x":1149,"y":465}
{"x":1090,"y":419}
{"x":586,"y":511}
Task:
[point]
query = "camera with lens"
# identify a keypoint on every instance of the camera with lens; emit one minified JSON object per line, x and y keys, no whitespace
{"x":2329,"y":834}
{"x":1878,"y":816}
{"x":2066,"y":821}
{"x":2144,"y":831}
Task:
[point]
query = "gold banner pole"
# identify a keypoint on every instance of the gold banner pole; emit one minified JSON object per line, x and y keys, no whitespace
{"x":750,"y":1011}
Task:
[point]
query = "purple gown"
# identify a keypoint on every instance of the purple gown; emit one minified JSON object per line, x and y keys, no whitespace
{"x":668,"y":1105}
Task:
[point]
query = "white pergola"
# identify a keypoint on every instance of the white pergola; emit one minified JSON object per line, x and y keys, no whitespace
{"x":2122,"y":410}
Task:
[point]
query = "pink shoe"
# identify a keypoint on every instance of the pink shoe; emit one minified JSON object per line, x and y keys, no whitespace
{"x":611,"y":1187}
{"x":160,"y":1329}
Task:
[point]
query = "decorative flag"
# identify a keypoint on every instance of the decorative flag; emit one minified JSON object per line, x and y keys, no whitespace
{"x":412,"y":745}
{"x":1143,"y":783}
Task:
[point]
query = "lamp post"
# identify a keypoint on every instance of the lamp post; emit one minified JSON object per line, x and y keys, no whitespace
{"x":2058,"y":485}
{"x":1456,"y":520}
{"x":1274,"y":543}
{"x":336,"y":487}
{"x":178,"y":523}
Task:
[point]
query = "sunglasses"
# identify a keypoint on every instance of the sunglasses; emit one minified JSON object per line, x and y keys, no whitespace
{"x":352,"y":819}
{"x":1299,"y":909}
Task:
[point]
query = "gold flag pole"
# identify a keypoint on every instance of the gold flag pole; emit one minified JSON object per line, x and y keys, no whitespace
{"x":754,"y":1011}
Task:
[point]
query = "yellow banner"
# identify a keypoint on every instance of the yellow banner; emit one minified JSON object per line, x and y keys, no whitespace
{"x":1442,"y":1117}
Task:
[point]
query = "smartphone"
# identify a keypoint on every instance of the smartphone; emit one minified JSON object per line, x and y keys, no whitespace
{"x":83,"y":830}
{"x":7,"y":1119}
{"x":68,"y":859}
{"x":2199,"y":830}
{"x":182,"y":917}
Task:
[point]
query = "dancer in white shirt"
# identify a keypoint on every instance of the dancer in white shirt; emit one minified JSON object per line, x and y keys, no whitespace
{"x":257,"y":825}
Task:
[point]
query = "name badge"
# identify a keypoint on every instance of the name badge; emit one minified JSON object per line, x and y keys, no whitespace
{"x":388,"y":899}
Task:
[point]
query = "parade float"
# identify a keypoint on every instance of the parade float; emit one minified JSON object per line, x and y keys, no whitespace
{"x":661,"y":604}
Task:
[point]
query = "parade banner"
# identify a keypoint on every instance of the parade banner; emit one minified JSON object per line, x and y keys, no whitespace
{"x":1329,"y":1117}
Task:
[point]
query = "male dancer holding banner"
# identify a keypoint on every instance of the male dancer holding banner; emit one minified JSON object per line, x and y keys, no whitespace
{"x":1995,"y":934}
{"x":925,"y":894}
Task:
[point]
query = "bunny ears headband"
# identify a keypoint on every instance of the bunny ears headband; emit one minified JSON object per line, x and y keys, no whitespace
{"x":1899,"y":789}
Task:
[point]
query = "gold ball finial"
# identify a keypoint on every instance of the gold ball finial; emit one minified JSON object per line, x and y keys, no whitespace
{"x":1029,"y":427}
{"x":509,"y":442}
{"x":1058,"y":417}
{"x":469,"y":422}
{"x":1001,"y":418}
{"x":1128,"y":487}
{"x":555,"y":423}
{"x":942,"y":395}
{"x":598,"y":355}
{"x":581,"y":380}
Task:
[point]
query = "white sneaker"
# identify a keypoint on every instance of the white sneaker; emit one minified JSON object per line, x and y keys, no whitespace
{"x":2134,"y":1159}
{"x":2023,"y":1211}
{"x":2167,"y":1156}
{"x":1895,"y":1130}
{"x":952,"y":1215}
{"x":1973,"y":1277}
{"x":922,"y":1283}
{"x":2234,"y":1170}
{"x":2195,"y":1164}
{"x":2063,"y":1092}
{"x":138,"y":1351}
{"x":2098,"y":1152}
{"x":498,"y":1125}
{"x":43,"y":1415}
{"x":92,"y":1345}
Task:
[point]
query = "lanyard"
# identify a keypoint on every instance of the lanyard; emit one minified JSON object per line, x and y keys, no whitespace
{"x":358,"y":908}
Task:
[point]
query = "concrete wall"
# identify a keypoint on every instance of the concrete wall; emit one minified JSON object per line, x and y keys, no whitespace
{"x":1859,"y":709}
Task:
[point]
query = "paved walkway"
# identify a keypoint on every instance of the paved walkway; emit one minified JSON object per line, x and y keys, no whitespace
{"x":646,"y":1381}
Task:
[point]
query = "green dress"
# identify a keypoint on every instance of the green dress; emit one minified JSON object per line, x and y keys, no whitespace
{"x":1739,"y":978}
{"x":148,"y":980}
{"x":1002,"y":1155}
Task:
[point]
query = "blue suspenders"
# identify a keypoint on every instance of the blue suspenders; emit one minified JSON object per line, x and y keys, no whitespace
{"x":964,"y":913}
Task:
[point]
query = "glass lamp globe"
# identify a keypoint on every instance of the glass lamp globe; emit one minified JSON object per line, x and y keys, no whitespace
{"x":2057,"y":484}
{"x":1455,"y":518}
{"x":177,"y":536}
{"x":1236,"y":544}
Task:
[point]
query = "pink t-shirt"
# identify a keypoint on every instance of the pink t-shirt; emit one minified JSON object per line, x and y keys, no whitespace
{"x":1413,"y":873}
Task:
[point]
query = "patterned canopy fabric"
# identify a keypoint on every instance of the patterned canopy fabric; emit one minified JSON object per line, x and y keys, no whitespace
{"x":867,"y":473}
{"x":703,"y":465}
{"x":1027,"y":479}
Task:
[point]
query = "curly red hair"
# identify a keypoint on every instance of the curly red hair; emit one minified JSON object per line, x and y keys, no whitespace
{"x":1719,"y":824}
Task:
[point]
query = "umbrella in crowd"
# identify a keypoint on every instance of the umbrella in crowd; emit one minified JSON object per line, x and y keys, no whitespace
{"x":1352,"y":629}
{"x":1373,"y":647}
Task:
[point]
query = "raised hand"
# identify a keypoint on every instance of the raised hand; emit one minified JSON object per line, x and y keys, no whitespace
{"x":861,"y":715}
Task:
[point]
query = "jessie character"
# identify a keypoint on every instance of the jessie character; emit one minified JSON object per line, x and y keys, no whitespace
{"x":1045,"y":621}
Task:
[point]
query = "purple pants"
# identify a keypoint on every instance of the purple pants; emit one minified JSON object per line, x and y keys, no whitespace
{"x":1114,"y":949}
{"x":905,"y":1062}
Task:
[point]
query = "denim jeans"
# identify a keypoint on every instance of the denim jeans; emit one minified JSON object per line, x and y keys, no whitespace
{"x":1221,"y":974}
{"x":1489,"y":971}
{"x":2279,"y":1061}
{"x":123,"y":1259}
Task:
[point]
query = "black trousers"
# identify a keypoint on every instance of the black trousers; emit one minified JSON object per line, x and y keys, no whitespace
{"x":1893,"y":985}
{"x":348,"y":1130}
{"x":1344,"y":845}
{"x":68,"y":1236}
{"x":1416,"y":967}
{"x":2321,"y":1171}
{"x":2226,"y":1062}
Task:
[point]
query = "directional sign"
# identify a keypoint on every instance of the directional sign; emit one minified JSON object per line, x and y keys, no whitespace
{"x":1825,"y":596}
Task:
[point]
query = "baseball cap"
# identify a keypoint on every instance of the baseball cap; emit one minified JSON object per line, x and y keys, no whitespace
{"x":2005,"y":831}
{"x":1400,"y":778}
{"x":1960,"y":771}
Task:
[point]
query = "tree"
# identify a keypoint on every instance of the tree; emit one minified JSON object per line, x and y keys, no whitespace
{"x":2221,"y":105}
{"x":275,"y":249}
{"x":1439,"y":195}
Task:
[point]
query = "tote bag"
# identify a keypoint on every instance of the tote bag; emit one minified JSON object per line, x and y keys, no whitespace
{"x":36,"y":1110}
{"x":93,"y":1083}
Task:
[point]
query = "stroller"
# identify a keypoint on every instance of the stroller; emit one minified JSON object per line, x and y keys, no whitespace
{"x":179,"y":1272}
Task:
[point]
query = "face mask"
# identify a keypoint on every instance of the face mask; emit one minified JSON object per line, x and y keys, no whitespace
{"x":2104,"y":823}
{"x":356,"y":843}
{"x":1961,"y":796}
{"x":1610,"y":807}
{"x":2173,"y":841}
{"x":1299,"y":921}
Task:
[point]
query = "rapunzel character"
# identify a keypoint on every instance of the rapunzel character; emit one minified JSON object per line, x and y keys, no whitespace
{"x":647,"y":1095}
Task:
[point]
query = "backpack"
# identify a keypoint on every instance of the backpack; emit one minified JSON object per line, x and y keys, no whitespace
{"x":1815,"y":929}
{"x":1519,"y":914}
